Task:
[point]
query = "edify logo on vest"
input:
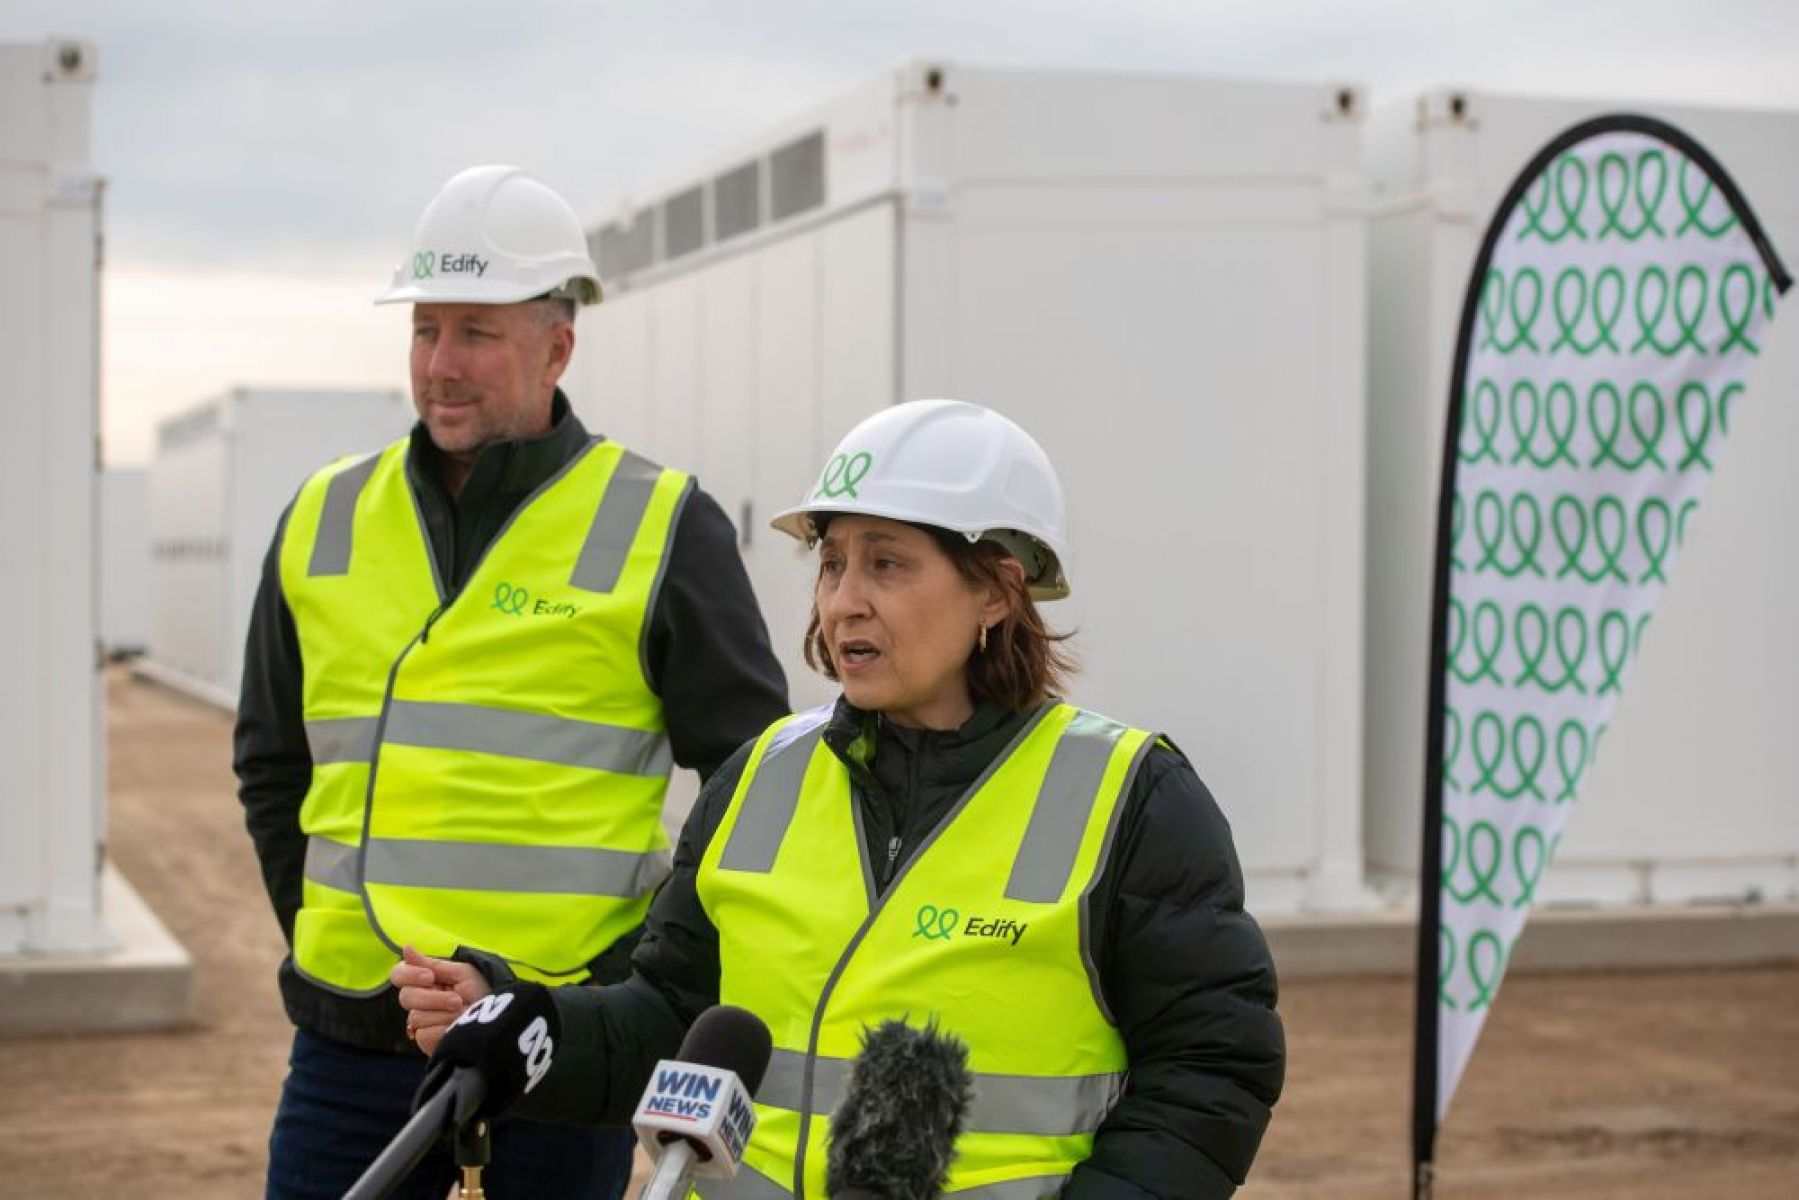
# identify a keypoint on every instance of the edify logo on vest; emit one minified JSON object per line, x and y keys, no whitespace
{"x":517,"y":602}
{"x":941,"y":924}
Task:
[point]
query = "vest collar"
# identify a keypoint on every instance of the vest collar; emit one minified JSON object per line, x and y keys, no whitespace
{"x":511,"y":468}
{"x":946,"y":758}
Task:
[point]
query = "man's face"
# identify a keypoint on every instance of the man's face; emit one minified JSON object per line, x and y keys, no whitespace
{"x":485,"y":373}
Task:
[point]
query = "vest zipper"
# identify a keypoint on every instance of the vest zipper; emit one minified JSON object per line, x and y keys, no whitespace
{"x":368,"y":800}
{"x":874,"y":913}
{"x":425,"y":633}
{"x":914,"y":769}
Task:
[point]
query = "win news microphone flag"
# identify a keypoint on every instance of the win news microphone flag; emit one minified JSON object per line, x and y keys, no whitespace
{"x":1615,"y":311}
{"x":697,"y":1114}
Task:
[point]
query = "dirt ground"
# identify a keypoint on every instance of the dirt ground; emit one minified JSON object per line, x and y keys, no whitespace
{"x":1648,"y":1085}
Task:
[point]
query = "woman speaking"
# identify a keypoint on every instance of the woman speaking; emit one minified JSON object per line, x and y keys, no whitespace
{"x":952,"y":841}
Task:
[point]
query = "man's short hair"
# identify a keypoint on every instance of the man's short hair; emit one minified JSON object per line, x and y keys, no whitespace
{"x":553,"y":309}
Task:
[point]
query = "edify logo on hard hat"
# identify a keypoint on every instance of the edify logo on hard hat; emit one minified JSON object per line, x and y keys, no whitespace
{"x":843,"y":474}
{"x":426,"y":263}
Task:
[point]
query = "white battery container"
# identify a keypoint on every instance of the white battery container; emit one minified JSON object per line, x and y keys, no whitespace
{"x":1692,"y":795}
{"x":1160,"y":277}
{"x":224,"y":472}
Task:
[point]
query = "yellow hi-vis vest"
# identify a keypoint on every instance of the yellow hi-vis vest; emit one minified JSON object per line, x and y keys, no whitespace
{"x":488,"y":768}
{"x":983,"y":930}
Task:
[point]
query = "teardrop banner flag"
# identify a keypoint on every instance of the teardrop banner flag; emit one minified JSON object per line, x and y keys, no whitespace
{"x":1615,"y":310}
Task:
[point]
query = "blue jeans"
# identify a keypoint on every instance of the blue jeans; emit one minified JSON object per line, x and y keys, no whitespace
{"x":341,"y":1106}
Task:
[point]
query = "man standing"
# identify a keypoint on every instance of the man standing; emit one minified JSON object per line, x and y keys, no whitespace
{"x":471,"y":660}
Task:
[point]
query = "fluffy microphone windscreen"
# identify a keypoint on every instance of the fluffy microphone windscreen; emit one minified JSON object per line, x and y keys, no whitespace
{"x":895,"y":1132}
{"x":731,"y":1038}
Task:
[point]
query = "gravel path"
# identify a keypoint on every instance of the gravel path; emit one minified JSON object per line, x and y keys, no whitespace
{"x":1651,"y":1085}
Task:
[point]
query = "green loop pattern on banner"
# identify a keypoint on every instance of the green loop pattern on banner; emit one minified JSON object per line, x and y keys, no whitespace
{"x":1489,"y":651}
{"x":1669,"y":305}
{"x":1521,"y":300}
{"x":1693,"y":202}
{"x":1478,"y":869}
{"x":1680,"y":524}
{"x":1483,"y":417}
{"x":1490,"y":739}
{"x":1726,"y":396}
{"x":1617,"y":182}
{"x":1737,"y":319}
{"x":1572,"y":763}
{"x":1607,"y":415}
{"x":1570,"y":650}
{"x":1689,"y":291}
{"x":1485,"y":969}
{"x":1693,"y":417}
{"x":1480,"y":855}
{"x":1655,"y":534}
{"x":1614,"y":651}
{"x":1569,"y":304}
{"x":1510,"y":760}
{"x":1570,"y":196}
{"x":1614,"y":320}
{"x":1592,"y":539}
{"x":1560,"y":420}
{"x":1528,"y":875}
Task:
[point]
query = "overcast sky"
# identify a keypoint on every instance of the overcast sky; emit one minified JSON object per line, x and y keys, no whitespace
{"x":265,"y":162}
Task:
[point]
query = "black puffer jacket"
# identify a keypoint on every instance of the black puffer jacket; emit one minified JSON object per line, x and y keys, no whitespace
{"x":1184,"y":969}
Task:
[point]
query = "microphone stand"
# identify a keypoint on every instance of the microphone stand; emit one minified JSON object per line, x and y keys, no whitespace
{"x":449,"y":1109}
{"x":474,"y":1150}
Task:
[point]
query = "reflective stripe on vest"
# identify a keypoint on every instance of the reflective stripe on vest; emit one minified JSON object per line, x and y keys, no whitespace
{"x":342,"y":740}
{"x":331,"y":549}
{"x":499,"y":751}
{"x":614,"y":527}
{"x":747,"y":1184}
{"x":1047,"y":1106}
{"x":769,"y":805}
{"x":493,"y":731}
{"x":488,"y":867}
{"x":751,"y":1184}
{"x":982,"y":931}
{"x":534,"y":736}
{"x":1058,"y":820}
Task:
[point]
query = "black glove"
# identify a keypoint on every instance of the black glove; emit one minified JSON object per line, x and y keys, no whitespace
{"x":507,"y":1040}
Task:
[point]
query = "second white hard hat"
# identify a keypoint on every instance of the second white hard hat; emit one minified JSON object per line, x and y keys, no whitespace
{"x":955,"y":466}
{"x":495,"y":235}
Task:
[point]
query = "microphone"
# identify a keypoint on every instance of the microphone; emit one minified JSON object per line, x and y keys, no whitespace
{"x":495,"y":1052}
{"x":506,"y":1040}
{"x":894,"y":1133}
{"x":695,"y":1117}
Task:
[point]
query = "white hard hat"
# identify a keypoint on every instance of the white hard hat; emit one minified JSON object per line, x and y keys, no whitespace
{"x":495,"y":235}
{"x":955,"y":466}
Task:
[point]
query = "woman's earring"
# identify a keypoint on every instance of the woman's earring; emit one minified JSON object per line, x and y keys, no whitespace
{"x":983,"y":640}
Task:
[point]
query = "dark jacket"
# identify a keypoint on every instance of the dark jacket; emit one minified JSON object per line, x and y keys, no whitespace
{"x":1184,"y":970}
{"x":708,"y":656}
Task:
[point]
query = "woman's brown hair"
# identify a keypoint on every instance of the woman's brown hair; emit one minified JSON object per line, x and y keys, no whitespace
{"x":1024,"y":662}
